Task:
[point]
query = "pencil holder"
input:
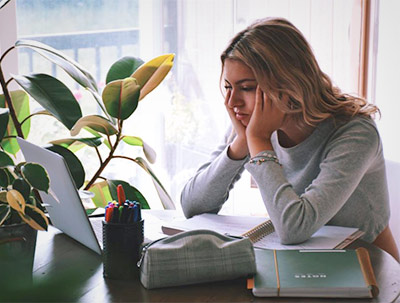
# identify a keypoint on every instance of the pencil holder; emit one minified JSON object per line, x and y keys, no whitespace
{"x":121,"y":249}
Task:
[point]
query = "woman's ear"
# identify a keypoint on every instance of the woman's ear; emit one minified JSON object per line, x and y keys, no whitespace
{"x":293,"y":103}
{"x":285,"y":100}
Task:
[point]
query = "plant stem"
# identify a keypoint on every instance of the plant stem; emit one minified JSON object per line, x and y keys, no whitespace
{"x":127,"y":158}
{"x":9,"y":104}
{"x":98,"y":155}
{"x":31,"y":115}
{"x":106,"y":161}
{"x":6,"y":52}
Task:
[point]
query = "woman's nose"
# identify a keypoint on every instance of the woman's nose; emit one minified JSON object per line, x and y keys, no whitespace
{"x":235,"y":100}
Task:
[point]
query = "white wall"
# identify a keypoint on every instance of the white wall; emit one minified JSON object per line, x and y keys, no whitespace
{"x":387,"y":83}
{"x":393,"y":175}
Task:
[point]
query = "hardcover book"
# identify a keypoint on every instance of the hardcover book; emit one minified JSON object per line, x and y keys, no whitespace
{"x":313,"y":273}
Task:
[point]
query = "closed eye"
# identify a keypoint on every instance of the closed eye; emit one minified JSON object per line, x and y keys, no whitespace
{"x":248,"y":88}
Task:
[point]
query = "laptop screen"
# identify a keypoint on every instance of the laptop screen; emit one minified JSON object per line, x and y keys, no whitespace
{"x":63,"y":202}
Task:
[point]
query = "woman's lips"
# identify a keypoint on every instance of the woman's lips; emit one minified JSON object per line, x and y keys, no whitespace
{"x":241,"y":116}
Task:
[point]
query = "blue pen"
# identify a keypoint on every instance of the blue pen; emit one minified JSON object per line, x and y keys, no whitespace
{"x":131,"y":214}
{"x":139,"y":211}
{"x":135,"y":213}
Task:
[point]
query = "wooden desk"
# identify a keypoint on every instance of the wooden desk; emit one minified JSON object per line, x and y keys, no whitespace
{"x":66,"y":271}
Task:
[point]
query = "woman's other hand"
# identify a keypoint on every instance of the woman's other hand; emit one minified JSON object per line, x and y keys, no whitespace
{"x":265,"y":119}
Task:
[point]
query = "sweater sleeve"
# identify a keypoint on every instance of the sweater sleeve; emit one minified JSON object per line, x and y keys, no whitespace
{"x":346,"y":159}
{"x":209,"y":188}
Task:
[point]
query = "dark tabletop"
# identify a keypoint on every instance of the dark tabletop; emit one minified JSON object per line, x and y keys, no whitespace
{"x":66,"y":271}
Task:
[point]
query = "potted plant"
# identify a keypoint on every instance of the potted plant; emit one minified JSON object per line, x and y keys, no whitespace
{"x":128,"y":81}
{"x":20,"y":213}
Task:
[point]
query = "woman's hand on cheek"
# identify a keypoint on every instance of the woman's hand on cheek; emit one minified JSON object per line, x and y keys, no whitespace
{"x":237,"y":125}
{"x":238,"y":148}
{"x":265,"y":119}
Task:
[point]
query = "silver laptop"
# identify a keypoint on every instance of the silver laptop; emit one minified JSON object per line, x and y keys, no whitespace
{"x":63,"y":203}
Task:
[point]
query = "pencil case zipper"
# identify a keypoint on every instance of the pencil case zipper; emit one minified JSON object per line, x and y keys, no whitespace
{"x":145,"y":248}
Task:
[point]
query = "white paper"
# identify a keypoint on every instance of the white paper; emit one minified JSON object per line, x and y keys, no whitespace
{"x":327,"y":237}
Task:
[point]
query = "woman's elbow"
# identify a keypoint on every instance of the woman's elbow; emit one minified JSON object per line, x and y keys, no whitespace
{"x":294,"y":233}
{"x":297,"y":223}
{"x":292,"y":238}
{"x":188,"y":212}
{"x":187,"y":208}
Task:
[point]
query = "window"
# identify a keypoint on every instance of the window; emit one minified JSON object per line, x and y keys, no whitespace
{"x":183,"y":119}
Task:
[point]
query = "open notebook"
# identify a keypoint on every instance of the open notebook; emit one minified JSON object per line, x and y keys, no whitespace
{"x":261,"y":231}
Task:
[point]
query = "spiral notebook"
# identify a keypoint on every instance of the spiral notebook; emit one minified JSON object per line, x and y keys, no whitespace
{"x":262,"y":233}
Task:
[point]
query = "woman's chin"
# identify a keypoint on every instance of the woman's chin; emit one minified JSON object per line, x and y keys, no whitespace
{"x":244,"y":122}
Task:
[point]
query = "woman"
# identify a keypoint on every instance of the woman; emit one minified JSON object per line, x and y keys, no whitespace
{"x":314,"y":152}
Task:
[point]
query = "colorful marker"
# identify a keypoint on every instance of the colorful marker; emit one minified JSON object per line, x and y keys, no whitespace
{"x":121,"y":194}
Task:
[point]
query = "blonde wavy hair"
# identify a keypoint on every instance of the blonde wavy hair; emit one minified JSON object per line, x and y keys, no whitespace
{"x":284,"y":65}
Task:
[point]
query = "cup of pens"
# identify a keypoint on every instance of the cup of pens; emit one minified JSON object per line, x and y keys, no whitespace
{"x":122,"y":238}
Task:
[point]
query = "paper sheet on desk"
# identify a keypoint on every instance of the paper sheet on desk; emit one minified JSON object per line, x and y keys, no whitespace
{"x":327,"y":237}
{"x":155,"y":219}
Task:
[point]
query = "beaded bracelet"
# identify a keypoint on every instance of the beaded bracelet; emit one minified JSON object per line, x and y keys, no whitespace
{"x":263,"y":158}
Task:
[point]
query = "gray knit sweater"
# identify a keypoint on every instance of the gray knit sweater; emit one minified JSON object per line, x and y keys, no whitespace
{"x":336,"y":176}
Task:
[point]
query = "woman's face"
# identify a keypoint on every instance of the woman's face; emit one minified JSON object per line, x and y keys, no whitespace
{"x":241,"y":83}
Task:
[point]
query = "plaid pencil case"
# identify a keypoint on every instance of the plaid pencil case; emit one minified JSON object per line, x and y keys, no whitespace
{"x":195,"y":256}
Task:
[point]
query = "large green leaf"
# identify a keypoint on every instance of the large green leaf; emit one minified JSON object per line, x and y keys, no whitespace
{"x":34,"y":214}
{"x":150,"y":74}
{"x":20,"y":101}
{"x":70,"y":66}
{"x":101,"y":193}
{"x":161,"y":191}
{"x":148,"y":151}
{"x":53,"y":95}
{"x":3,"y":196}
{"x":93,"y":132}
{"x":123,"y":68}
{"x":131,"y":193}
{"x":10,"y":175}
{"x":4,"y":178}
{"x":36,"y":176}
{"x":132,"y":140}
{"x":16,"y":200}
{"x":73,"y":163}
{"x":4,"y":117}
{"x":5,"y":160}
{"x":23,"y":187}
{"x":121,"y":97}
{"x":75,"y":144}
{"x":95,"y":122}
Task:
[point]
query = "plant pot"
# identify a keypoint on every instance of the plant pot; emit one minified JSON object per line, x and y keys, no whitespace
{"x":17,"y":252}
